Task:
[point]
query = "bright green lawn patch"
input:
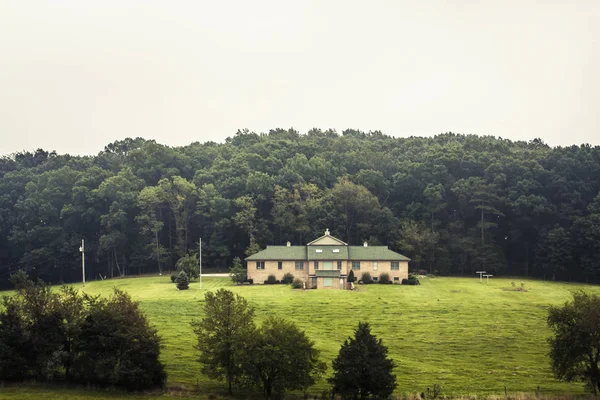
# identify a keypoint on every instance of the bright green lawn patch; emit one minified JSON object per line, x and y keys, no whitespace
{"x":467,"y":336}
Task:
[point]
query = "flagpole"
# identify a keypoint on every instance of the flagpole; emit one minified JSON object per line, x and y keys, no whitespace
{"x":200,"y":260}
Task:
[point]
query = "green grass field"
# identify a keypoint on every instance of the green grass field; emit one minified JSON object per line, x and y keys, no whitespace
{"x":471,"y":338}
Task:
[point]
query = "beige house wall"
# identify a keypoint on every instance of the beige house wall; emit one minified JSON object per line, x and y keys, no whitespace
{"x":261,"y":275}
{"x":382,"y":267}
{"x":326,"y":240}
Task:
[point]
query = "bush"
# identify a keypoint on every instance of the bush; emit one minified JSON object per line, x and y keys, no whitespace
{"x":173,"y":277}
{"x":297,"y":284}
{"x":366,"y":278}
{"x":271,"y":280}
{"x":287,"y":278}
{"x":384,"y":278}
{"x":117,"y":346}
{"x":351,"y":277}
{"x":182,"y":281}
{"x":412,"y":280}
{"x":250,"y":281}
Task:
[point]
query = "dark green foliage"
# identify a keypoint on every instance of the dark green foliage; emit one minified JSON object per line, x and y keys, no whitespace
{"x":106,"y":342}
{"x":384,"y":278}
{"x":237,"y":271}
{"x":280,"y":357}
{"x":271,"y":280}
{"x":453,"y":203}
{"x":117,"y":346}
{"x":189,"y":264}
{"x":412,"y":280}
{"x":351,"y":277}
{"x":575,"y":344}
{"x":297,"y":284}
{"x":173,"y":278}
{"x":287,"y":278}
{"x":366,"y":278}
{"x":223,"y":335}
{"x":182,"y":281}
{"x":362,"y":368}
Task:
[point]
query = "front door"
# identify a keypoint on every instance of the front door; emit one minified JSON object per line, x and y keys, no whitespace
{"x":327,"y":282}
{"x":328,"y":265}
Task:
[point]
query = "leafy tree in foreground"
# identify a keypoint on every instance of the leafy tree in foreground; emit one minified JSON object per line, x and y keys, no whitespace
{"x":222,"y":335}
{"x":281,"y":357}
{"x":117,"y":346}
{"x":575,"y":344}
{"x":362,"y":369}
{"x":351,"y":277}
{"x":237,"y":271}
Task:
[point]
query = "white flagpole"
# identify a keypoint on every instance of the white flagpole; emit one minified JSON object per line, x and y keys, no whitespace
{"x":200,"y":260}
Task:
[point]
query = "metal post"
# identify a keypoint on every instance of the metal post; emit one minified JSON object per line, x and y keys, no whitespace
{"x":82,"y":250}
{"x":200,"y":260}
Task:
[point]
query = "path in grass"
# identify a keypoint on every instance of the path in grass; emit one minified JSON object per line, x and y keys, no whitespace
{"x":470,"y":337}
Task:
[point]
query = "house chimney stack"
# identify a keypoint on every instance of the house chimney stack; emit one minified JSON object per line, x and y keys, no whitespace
{"x":289,"y":244}
{"x":365,"y":244}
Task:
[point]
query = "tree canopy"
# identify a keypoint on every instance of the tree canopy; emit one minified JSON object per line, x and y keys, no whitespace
{"x":454,"y":203}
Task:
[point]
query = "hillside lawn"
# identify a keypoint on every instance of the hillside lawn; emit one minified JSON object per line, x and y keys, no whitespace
{"x":472,"y":338}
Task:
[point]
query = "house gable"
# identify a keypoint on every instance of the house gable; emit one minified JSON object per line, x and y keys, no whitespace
{"x":327,"y":240}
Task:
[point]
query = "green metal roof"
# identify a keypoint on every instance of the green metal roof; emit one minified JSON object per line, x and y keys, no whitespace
{"x":299,"y":253}
{"x":280,"y":253}
{"x":375,"y":253}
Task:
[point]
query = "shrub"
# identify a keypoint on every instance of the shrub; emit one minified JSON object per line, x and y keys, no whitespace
{"x":287,"y":278}
{"x":351,"y":277}
{"x":297,"y":284}
{"x":117,"y":346}
{"x":422,"y":272}
{"x":412,"y":280}
{"x":173,"y":277}
{"x":182,"y":281}
{"x":366,"y":278}
{"x":271,"y":280}
{"x":384,"y":278}
{"x":250,"y":281}
{"x":405,"y":281}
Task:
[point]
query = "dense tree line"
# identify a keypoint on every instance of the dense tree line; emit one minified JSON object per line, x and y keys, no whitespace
{"x":453,"y":203}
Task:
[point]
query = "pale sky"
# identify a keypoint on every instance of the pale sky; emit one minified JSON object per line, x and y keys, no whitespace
{"x":77,"y":75}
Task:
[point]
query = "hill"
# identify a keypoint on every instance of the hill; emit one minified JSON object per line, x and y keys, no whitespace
{"x":467,"y":336}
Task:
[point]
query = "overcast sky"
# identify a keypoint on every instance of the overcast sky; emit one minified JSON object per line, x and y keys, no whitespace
{"x":76,"y":75}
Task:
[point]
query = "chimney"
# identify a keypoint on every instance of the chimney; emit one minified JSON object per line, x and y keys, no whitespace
{"x":289,"y":244}
{"x":365,"y":244}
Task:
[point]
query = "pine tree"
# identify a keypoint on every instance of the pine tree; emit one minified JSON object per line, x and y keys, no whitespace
{"x":182,"y":281}
{"x":362,"y":368}
{"x":237,"y":271}
{"x":351,"y":277}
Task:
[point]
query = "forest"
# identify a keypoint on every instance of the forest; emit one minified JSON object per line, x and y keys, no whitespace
{"x":453,"y":203}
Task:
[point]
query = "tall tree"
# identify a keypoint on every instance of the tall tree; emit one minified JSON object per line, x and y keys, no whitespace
{"x":223,"y":334}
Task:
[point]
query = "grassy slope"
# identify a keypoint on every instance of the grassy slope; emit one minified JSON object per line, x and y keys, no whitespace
{"x":471,"y":338}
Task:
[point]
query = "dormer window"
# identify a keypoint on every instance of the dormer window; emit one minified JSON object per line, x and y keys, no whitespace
{"x":336,"y":250}
{"x":319,"y":251}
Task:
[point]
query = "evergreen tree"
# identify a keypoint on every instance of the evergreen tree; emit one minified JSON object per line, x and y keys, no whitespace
{"x":351,"y":277}
{"x":182,"y":281}
{"x":362,"y":368}
{"x":237,"y":271}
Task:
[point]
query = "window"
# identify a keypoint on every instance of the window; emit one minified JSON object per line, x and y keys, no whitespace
{"x":339,"y":265}
{"x":396,"y":279}
{"x":356,"y":265}
{"x":375,"y":279}
{"x":260,"y":265}
{"x":316,"y":265}
{"x":395,"y":265}
{"x":336,"y":250}
{"x":319,"y":250}
{"x":279,"y":265}
{"x":299,"y":265}
{"x":374,"y":265}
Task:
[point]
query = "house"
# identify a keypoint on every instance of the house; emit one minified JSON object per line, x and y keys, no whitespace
{"x":326,"y":262}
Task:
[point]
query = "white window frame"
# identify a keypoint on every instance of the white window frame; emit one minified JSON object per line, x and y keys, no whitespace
{"x":375,"y":266}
